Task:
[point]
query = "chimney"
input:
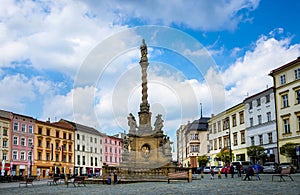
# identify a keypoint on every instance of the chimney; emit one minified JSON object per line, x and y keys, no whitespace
{"x":48,"y":121}
{"x":212,"y":115}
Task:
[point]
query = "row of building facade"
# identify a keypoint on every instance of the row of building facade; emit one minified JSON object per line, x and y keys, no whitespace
{"x":270,"y":118}
{"x":42,"y":148}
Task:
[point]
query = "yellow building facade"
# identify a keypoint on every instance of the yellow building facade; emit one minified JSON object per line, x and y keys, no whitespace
{"x":53,"y":149}
{"x":286,"y":81}
{"x":228,"y":130}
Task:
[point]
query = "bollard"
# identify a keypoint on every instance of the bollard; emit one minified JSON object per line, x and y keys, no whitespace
{"x":66,"y":179}
{"x":219,"y":175}
{"x":202,"y":175}
{"x":190,"y":175}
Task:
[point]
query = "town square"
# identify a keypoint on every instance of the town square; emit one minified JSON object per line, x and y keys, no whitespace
{"x":111,"y":97}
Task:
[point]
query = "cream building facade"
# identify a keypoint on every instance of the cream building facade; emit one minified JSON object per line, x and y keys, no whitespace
{"x":286,"y":81}
{"x":228,"y":129}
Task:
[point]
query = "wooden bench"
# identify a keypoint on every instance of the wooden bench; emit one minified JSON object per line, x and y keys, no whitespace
{"x":53,"y":181}
{"x":284,"y":173}
{"x":26,"y":182}
{"x":79,"y":180}
{"x":178,"y":176}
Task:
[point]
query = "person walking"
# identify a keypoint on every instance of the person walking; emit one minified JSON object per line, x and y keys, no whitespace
{"x":238,"y":168}
{"x":212,"y":174}
{"x":249,"y":173}
{"x":256,"y":169}
{"x":232,"y":170}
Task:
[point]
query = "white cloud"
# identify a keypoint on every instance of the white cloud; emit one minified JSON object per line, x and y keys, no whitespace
{"x":249,"y":74}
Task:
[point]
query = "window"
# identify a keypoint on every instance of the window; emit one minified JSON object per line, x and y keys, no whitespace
{"x":30,"y":129}
{"x":282,"y":79}
{"x":91,"y":148}
{"x":82,"y":137}
{"x":83,"y":160}
{"x":15,"y":140}
{"x":30,"y":142}
{"x":268,"y":98}
{"x":215,"y":127}
{"x":96,"y":161}
{"x":29,"y":155}
{"x":78,"y":136}
{"x":4,"y":156}
{"x":235,"y":141}
{"x":242,"y":117}
{"x":92,"y":161}
{"x":297,"y":96}
{"x":297,"y":73}
{"x":78,"y":159}
{"x":22,"y":156}
{"x":39,"y":155}
{"x":116,"y":159}
{"x":47,"y":144}
{"x":215,"y":144}
{"x":100,"y":150}
{"x":260,"y":137}
{"x":95,"y":140}
{"x":219,"y":126}
{"x":100,"y":141}
{"x":269,"y":116}
{"x":234,"y":120}
{"x":252,"y":141}
{"x":298,"y":117}
{"x":39,"y":143}
{"x":78,"y":147}
{"x":259,"y":119}
{"x":250,"y":105}
{"x":5,"y":132}
{"x":57,"y":134}
{"x":40,"y":130}
{"x":23,"y":141}
{"x":4,"y":143}
{"x":251,"y":122}
{"x":270,"y":138}
{"x":16,"y":126}
{"x":47,"y":156}
{"x":258,"y":102}
{"x":70,"y":158}
{"x":220,"y":142}
{"x":15,"y":155}
{"x":95,"y":150}
{"x":243,"y":137}
{"x":110,"y":159}
{"x":286,"y":124}
{"x":56,"y":157}
{"x":110,"y":149}
{"x":285,"y":100}
{"x":226,"y":123}
{"x":48,"y":132}
{"x":64,"y":158}
{"x":226,"y":141}
{"x":105,"y":149}
{"x":65,"y":135}
{"x":23,"y":128}
{"x":91,"y":139}
{"x":83,"y":148}
{"x":70,"y":136}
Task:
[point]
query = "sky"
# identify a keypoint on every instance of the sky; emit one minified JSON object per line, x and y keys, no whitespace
{"x":79,"y":60}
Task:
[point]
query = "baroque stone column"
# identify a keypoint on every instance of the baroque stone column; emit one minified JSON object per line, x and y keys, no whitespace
{"x":144,"y":114}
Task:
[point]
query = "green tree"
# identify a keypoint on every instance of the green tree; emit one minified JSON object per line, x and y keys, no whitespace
{"x":256,"y":152}
{"x":202,"y":160}
{"x":224,"y":155}
{"x":289,"y":150}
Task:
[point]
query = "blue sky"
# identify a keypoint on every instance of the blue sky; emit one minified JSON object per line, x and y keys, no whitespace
{"x":78,"y":60}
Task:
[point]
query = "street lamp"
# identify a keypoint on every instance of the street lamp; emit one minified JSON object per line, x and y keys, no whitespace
{"x":31,"y":160}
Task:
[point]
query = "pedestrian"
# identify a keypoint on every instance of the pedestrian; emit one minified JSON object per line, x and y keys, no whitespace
{"x":256,"y":169}
{"x":232,"y":170}
{"x":238,"y":168}
{"x":212,"y":174}
{"x":249,"y":173}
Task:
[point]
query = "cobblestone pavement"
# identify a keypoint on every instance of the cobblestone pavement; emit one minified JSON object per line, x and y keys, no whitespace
{"x":203,"y":186}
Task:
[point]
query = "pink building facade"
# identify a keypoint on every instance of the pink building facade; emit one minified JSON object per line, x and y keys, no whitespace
{"x":112,"y":151}
{"x":22,"y":135}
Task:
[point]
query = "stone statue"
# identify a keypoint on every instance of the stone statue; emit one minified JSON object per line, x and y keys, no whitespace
{"x":144,"y":51}
{"x":132,"y":122}
{"x":158,"y":125}
{"x":125,"y":144}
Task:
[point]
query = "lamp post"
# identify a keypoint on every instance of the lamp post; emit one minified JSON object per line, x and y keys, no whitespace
{"x":31,"y":160}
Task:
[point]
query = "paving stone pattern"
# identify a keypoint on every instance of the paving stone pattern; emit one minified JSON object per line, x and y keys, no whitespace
{"x":204,"y":186}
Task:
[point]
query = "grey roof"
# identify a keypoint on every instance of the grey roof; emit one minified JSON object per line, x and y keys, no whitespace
{"x":86,"y":129}
{"x":199,"y":124}
{"x":5,"y":114}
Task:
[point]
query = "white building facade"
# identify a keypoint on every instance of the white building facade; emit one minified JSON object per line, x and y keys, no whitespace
{"x":260,"y":118}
